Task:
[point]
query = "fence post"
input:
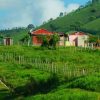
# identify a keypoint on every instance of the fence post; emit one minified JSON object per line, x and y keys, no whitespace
{"x":52,"y":67}
{"x":19,"y":59}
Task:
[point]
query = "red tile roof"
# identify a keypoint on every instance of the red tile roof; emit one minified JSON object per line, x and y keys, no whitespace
{"x":41,"y":31}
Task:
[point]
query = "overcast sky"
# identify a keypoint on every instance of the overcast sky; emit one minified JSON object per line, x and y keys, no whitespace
{"x":20,"y":13}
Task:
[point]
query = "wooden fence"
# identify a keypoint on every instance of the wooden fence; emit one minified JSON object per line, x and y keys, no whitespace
{"x":45,"y":65}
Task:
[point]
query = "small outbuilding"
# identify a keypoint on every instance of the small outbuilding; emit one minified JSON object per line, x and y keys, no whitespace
{"x":8,"y":41}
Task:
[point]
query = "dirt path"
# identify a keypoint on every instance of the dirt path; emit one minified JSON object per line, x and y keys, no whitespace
{"x":3,"y":86}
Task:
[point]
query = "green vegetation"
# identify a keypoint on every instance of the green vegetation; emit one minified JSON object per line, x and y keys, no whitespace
{"x":26,"y":81}
{"x":50,"y":42}
{"x":93,"y":25}
{"x":36,"y":73}
{"x":17,"y":34}
{"x":67,"y":94}
{"x":83,"y":19}
{"x":17,"y":76}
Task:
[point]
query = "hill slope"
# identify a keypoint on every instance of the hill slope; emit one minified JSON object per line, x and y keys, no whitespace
{"x":75,"y":20}
{"x":93,"y":25}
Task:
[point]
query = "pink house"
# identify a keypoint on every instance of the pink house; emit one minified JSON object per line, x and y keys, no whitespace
{"x":78,"y":39}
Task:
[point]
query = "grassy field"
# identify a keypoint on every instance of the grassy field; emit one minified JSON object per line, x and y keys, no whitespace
{"x":67,"y":94}
{"x":26,"y":82}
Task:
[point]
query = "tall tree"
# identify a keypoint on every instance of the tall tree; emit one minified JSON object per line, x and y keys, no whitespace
{"x":54,"y":40}
{"x":61,"y":14}
{"x":53,"y":27}
{"x":30,"y":26}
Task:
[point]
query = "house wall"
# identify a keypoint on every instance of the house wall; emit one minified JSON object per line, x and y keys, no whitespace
{"x":81,"y":41}
{"x":71,"y":39}
{"x":36,"y":40}
{"x":61,"y":41}
{"x":64,"y":41}
{"x":78,"y":40}
{"x":67,"y":43}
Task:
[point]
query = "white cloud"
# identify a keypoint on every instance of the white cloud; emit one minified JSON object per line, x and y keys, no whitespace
{"x":24,"y":12}
{"x":72,"y":7}
{"x":8,"y":3}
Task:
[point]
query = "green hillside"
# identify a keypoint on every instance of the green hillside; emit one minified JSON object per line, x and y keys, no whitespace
{"x":76,"y":19}
{"x":95,"y":25}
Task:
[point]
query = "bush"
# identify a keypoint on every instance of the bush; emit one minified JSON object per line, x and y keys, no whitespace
{"x":50,"y":41}
{"x":27,"y":66}
{"x":35,"y":86}
{"x":91,"y":82}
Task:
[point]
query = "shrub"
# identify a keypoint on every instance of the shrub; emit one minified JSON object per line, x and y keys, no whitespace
{"x":34,"y":86}
{"x":27,"y":66}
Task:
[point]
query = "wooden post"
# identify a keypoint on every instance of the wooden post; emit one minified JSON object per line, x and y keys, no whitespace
{"x":83,"y":72}
{"x":52,"y":67}
{"x":19,"y":59}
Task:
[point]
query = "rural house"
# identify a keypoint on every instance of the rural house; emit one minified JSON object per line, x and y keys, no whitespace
{"x":78,"y":39}
{"x":36,"y":40}
{"x":73,"y":39}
